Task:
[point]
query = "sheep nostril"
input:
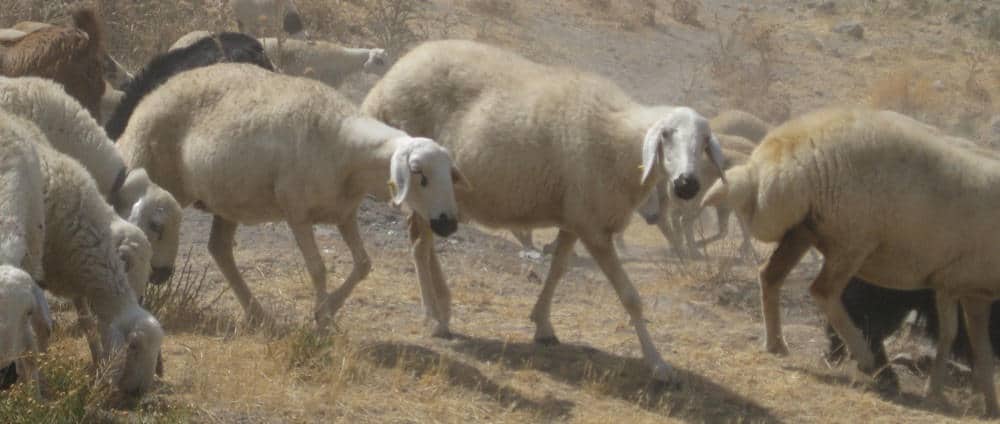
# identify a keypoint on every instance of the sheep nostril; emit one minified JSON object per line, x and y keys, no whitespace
{"x":444,"y":226}
{"x":686,"y":186}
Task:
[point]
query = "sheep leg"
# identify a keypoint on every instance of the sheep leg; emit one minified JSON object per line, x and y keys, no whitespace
{"x":541,"y":314}
{"x":747,"y":247}
{"x":422,"y":247}
{"x":688,"y":221}
{"x":722,"y":218}
{"x":602,"y":250}
{"x":89,"y":327}
{"x":220,"y":246}
{"x":977,"y":320}
{"x":668,"y":233}
{"x":947,"y":330}
{"x":827,"y":291}
{"x":306,"y":240}
{"x":771,"y":276}
{"x":525,"y":238}
{"x":362,"y":265}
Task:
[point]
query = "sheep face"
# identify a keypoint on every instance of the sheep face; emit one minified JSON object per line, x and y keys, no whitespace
{"x":135,"y":252}
{"x":676,"y":142}
{"x":424,"y":177}
{"x":158,"y":215}
{"x":377,"y":61}
{"x":18,"y":305}
{"x":139,"y":352}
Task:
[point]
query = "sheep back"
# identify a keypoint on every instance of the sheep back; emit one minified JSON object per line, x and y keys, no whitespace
{"x":738,"y":122}
{"x":22,"y":216}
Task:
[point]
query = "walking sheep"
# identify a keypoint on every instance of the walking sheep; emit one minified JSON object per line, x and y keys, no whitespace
{"x":831,"y":179}
{"x":82,"y":264}
{"x":222,"y":47}
{"x":74,"y":57}
{"x":70,"y":130}
{"x":320,"y":60}
{"x":317,"y":158}
{"x":543,"y":146}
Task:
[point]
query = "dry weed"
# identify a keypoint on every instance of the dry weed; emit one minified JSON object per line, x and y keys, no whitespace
{"x":743,"y":67}
{"x":183,"y":301}
{"x":505,"y":9}
{"x":392,"y":22}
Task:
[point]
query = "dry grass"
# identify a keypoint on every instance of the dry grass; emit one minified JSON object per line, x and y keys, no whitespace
{"x":744,"y":67}
{"x":686,"y":12}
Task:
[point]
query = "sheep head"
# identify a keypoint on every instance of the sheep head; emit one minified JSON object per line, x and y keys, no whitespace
{"x":137,"y":339}
{"x":135,"y":252}
{"x":20,"y":314}
{"x":158,"y":215}
{"x":674,"y":144}
{"x":424,"y":177}
{"x":377,"y":61}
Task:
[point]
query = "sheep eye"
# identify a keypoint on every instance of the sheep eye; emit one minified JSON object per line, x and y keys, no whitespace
{"x":423,"y":180}
{"x":667,"y":132}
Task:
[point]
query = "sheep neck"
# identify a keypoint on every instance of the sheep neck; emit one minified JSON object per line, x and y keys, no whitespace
{"x":376,"y":143}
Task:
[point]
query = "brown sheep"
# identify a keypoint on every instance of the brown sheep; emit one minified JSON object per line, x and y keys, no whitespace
{"x":72,"y":56}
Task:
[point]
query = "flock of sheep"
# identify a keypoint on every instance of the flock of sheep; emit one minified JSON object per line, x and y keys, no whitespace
{"x":96,"y":165}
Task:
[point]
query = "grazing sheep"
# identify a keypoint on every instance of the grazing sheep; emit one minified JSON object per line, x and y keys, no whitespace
{"x":24,"y":318}
{"x":253,"y":16}
{"x":543,"y":146}
{"x":324,"y":61}
{"x":114,"y":72}
{"x":740,"y":123}
{"x":316,"y":159}
{"x":879,"y":312}
{"x":82,"y":264}
{"x":222,"y":47}
{"x":73,"y":57}
{"x":831,"y":179}
{"x":70,"y":130}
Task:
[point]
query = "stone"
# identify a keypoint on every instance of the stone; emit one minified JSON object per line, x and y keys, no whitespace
{"x":851,"y":28}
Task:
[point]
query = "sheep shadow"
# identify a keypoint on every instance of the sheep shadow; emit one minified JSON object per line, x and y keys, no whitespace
{"x":908,"y":400}
{"x":696,"y":399}
{"x":421,"y":360}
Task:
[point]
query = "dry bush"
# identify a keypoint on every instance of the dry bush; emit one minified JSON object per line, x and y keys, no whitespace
{"x":183,"y":301}
{"x":505,"y":9}
{"x":600,"y":5}
{"x":743,"y":67}
{"x":989,"y":26}
{"x":392,"y":22}
{"x":33,"y":10}
{"x":686,"y":12}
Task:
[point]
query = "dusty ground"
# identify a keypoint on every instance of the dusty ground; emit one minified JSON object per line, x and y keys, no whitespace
{"x":381,"y":366}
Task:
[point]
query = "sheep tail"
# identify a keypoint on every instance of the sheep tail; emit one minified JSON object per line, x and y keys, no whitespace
{"x":87,"y":21}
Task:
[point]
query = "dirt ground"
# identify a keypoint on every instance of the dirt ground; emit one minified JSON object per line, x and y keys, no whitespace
{"x":381,"y":365}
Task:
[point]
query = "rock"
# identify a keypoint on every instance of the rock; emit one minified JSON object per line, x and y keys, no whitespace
{"x":866,"y":56}
{"x":851,"y":28}
{"x":938,"y":85}
{"x":992,"y":136}
{"x":827,"y":7}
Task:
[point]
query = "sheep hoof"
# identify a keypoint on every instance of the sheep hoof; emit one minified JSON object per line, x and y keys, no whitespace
{"x":547,"y":341}
{"x":442,"y":332}
{"x":886,"y":381}
{"x":779,"y":348}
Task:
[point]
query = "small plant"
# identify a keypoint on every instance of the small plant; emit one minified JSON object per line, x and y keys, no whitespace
{"x":182,"y":301}
{"x":392,"y":21}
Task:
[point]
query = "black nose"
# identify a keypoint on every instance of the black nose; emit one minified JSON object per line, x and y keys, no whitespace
{"x":161,"y":274}
{"x":652,"y":219}
{"x":686,"y":186}
{"x":444,"y":226}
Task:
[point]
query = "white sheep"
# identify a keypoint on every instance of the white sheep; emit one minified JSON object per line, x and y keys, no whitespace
{"x":314,"y":159}
{"x":740,"y":123}
{"x":323,"y":61}
{"x":832,"y":179}
{"x":109,"y":102}
{"x":543,"y":146}
{"x":253,"y":16}
{"x":135,"y":252}
{"x":83,"y":265}
{"x":24,"y":314}
{"x":70,"y":129}
{"x":676,"y":218}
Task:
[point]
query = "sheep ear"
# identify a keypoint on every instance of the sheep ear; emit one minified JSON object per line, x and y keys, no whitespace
{"x":41,"y":319}
{"x":459,"y":180}
{"x":652,"y":153}
{"x":123,"y":255}
{"x":716,"y":195}
{"x":399,"y":174}
{"x":714,"y":150}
